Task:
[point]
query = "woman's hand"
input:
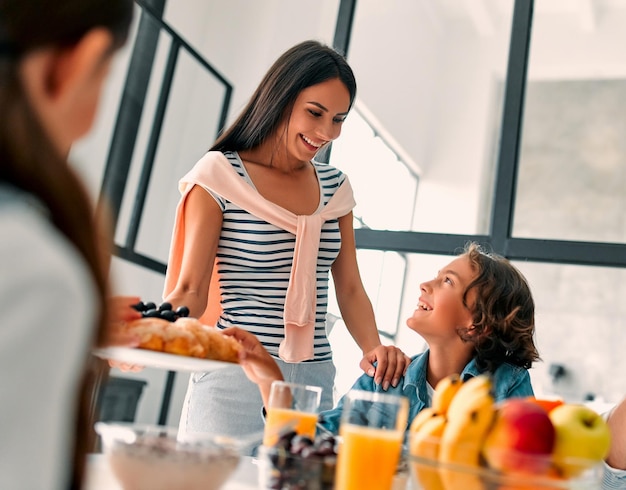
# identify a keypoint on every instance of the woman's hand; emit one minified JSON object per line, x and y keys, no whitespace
{"x":259,"y":366}
{"x":391,"y":365}
{"x":121,"y":308}
{"x":121,"y":311}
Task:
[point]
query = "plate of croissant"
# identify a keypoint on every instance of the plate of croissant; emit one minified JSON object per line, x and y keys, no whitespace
{"x":182,"y":345}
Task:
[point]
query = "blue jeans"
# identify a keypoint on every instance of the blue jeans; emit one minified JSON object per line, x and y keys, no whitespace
{"x":225,"y":402}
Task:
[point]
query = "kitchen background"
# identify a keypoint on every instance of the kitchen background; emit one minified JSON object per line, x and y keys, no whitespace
{"x":426,"y":148}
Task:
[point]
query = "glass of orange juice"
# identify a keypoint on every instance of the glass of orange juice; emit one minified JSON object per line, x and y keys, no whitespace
{"x":371,"y":434}
{"x":291,"y":406}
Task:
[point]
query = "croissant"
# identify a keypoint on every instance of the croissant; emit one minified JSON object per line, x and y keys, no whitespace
{"x":185,"y":337}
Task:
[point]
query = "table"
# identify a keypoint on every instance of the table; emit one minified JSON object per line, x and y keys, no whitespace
{"x":100,"y":477}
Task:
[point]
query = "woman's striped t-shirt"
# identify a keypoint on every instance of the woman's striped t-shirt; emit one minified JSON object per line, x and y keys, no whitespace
{"x":254,"y":260}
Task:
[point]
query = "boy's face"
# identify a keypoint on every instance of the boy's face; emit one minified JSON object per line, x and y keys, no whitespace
{"x":440,"y":311}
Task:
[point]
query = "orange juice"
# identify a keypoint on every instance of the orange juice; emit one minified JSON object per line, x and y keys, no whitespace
{"x":278,"y":418}
{"x":367,"y":458}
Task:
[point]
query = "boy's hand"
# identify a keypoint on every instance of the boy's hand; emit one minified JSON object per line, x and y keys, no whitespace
{"x":259,"y":366}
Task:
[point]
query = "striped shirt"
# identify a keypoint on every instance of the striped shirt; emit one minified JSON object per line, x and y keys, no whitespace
{"x":254,"y":260}
{"x":613,"y":479}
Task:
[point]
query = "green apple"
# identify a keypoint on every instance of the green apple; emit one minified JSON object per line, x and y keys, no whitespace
{"x":582,"y":438}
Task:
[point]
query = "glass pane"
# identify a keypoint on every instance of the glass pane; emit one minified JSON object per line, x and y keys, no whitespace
{"x":572,"y":170}
{"x":580,"y":315}
{"x":194,"y":90}
{"x":360,"y":146}
{"x":182,"y":141}
{"x":430,"y":78}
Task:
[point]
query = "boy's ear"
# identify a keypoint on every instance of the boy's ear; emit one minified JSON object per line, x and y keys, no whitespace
{"x":71,"y":67}
{"x":472,"y":331}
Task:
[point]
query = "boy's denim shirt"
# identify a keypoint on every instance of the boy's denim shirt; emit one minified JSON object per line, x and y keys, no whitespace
{"x":508,"y":381}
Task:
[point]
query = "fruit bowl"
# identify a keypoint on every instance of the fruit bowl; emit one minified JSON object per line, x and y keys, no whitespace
{"x":151,"y":457}
{"x":426,"y":474}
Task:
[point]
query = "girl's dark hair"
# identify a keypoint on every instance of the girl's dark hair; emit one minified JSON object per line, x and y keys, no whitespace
{"x":302,"y":66}
{"x":504,"y":312}
{"x":29,"y":160}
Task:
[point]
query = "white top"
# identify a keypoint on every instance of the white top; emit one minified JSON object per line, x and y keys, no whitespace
{"x":46,"y":309}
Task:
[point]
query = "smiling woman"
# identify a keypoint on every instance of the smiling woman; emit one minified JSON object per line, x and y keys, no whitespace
{"x":258,"y":229}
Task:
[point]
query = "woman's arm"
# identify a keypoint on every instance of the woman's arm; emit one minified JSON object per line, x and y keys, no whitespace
{"x":203,"y":225}
{"x":358,"y":314}
{"x":617,"y":425}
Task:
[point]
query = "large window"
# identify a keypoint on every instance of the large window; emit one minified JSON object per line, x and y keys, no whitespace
{"x":430,"y":75}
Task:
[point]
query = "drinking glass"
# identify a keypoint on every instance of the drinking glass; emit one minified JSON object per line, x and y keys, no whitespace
{"x":372,"y":430}
{"x":291,"y":406}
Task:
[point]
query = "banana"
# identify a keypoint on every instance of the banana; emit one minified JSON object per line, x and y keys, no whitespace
{"x":445,"y":391}
{"x":425,"y":443}
{"x":422,"y":417}
{"x":475,"y":387}
{"x":470,"y":416}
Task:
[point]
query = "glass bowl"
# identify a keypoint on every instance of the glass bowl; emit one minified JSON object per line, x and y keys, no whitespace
{"x":152,"y":457}
{"x":426,"y":475}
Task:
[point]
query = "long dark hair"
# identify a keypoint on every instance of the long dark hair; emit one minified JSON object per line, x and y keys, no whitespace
{"x":302,"y":66}
{"x":503,"y":314}
{"x":30,"y":162}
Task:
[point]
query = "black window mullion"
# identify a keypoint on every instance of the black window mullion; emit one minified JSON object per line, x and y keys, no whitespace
{"x":567,"y":252}
{"x":511,"y":129}
{"x":153,"y":142}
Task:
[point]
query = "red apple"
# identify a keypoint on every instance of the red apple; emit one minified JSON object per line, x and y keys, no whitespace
{"x":521,"y":439}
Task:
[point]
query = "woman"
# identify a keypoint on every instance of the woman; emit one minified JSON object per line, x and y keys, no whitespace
{"x":261,"y":223}
{"x":54,"y":58}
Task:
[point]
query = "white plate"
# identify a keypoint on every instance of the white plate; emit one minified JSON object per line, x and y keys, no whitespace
{"x":163,"y":360}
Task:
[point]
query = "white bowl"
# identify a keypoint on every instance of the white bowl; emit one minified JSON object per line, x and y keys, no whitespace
{"x":152,"y":457}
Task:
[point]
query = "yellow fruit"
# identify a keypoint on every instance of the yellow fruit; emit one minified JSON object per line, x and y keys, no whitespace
{"x":470,"y":416}
{"x":422,"y":417}
{"x":424,"y":444}
{"x":445,"y":391}
{"x":583,"y":438}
